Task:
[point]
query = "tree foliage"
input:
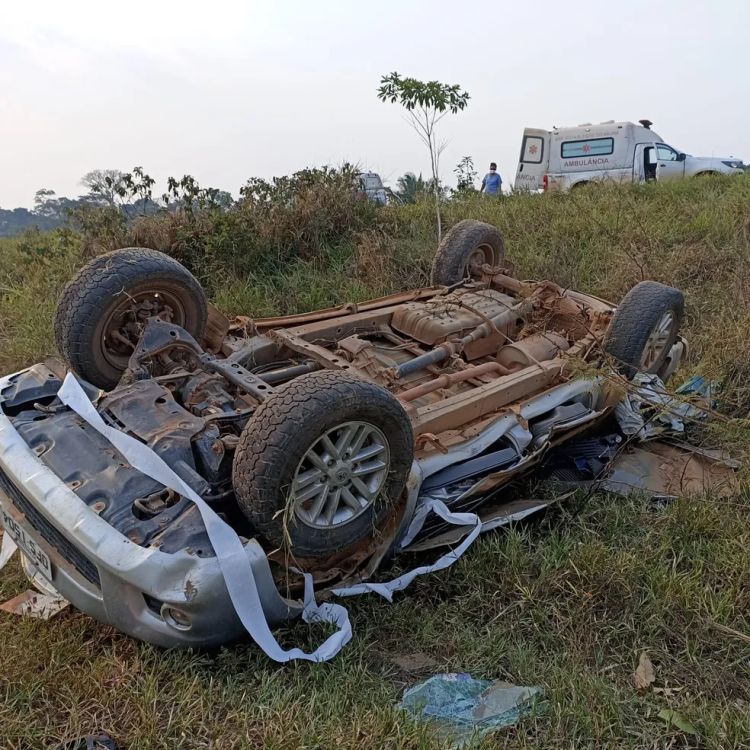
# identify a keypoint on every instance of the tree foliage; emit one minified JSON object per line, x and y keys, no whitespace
{"x":105,"y":186}
{"x":139,"y":186}
{"x":466,"y":174}
{"x":428,"y":97}
{"x":426,"y":104}
{"x":188,"y":195}
{"x":409,"y":187}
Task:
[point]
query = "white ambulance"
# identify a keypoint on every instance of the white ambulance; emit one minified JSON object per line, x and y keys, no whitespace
{"x":565,"y":158}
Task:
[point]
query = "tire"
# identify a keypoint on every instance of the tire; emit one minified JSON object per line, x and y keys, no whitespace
{"x":643,"y":310}
{"x":273,"y":451}
{"x":464,"y":249}
{"x":113,"y":284}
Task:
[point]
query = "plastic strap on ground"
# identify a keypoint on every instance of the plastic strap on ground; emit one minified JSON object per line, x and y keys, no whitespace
{"x":7,"y":548}
{"x":388,"y":588}
{"x":433,"y":505}
{"x":234,"y":562}
{"x":233,"y":559}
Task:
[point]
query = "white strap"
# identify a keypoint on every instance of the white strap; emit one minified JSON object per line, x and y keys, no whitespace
{"x":233,"y":560}
{"x":388,"y":588}
{"x":7,"y":548}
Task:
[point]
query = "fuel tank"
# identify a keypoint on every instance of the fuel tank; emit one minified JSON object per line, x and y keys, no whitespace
{"x":456,"y":314}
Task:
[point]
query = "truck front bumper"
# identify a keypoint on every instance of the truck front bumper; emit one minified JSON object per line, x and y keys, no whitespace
{"x":171,"y":600}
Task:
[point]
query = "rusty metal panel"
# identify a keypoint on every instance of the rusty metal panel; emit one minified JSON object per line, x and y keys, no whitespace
{"x":454,"y":314}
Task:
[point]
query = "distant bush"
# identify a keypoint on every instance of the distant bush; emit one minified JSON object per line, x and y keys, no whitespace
{"x":47,"y":248}
{"x":102,"y":228}
{"x":271,"y":224}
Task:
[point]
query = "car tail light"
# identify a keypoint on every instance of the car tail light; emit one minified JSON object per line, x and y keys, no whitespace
{"x":545,"y":183}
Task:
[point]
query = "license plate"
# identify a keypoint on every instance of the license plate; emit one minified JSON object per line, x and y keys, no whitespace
{"x":37,"y":556}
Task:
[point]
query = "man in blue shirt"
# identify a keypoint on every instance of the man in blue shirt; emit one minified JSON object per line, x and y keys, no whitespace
{"x":492,"y":182}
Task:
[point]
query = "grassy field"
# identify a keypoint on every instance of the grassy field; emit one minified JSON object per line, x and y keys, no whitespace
{"x":568,"y":601}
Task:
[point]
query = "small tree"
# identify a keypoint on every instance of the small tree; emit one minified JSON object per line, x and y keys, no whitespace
{"x":465,"y":175}
{"x":43,"y":200}
{"x":48,"y":206}
{"x":139,"y":185}
{"x":426,"y":104}
{"x":190,"y":196}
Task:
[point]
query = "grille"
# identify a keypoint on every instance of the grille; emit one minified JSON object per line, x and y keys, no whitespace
{"x":49,"y":533}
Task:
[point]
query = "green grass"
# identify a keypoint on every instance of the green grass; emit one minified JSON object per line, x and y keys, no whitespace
{"x":567,"y":602}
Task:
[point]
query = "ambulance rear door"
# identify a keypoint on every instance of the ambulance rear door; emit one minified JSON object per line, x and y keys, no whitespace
{"x":534,"y":159}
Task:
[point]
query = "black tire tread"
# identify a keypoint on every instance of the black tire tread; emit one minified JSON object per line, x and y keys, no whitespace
{"x":86,"y":293}
{"x":634,"y":320}
{"x":291,"y":417}
{"x":460,"y":240}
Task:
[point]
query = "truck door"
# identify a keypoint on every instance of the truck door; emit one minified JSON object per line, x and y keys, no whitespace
{"x":644,"y":162}
{"x":534,"y":159}
{"x":670,"y":165}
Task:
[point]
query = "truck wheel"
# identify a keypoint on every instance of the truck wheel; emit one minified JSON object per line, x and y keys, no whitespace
{"x":103,"y":308}
{"x":322,"y":463}
{"x":645,"y":327}
{"x":464,"y":250}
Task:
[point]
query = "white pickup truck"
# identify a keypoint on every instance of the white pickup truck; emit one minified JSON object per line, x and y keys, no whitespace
{"x":565,"y":158}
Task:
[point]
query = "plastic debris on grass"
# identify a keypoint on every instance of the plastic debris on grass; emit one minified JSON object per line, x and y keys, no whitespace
{"x":650,"y":411}
{"x":43,"y":603}
{"x":460,"y":708}
{"x":33,"y":604}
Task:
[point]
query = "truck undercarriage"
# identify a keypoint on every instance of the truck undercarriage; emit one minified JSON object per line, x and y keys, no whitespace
{"x":314,"y":436}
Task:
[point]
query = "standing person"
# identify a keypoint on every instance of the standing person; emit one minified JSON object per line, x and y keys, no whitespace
{"x":492,"y":183}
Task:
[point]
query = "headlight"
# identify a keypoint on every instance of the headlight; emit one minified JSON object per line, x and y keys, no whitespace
{"x":734,"y":164}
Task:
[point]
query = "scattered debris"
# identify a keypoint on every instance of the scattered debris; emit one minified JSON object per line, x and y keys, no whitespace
{"x":649,"y":410}
{"x":33,"y":604}
{"x":459,"y":707}
{"x":668,"y":471}
{"x":45,"y":602}
{"x":644,"y":674}
{"x":675,"y":718}
{"x":666,"y":468}
{"x":491,"y":518}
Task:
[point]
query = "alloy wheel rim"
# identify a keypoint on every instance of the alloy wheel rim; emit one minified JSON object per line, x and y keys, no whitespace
{"x":340,"y":475}
{"x":657,"y":341}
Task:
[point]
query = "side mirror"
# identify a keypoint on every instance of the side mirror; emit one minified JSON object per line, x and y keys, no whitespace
{"x":680,"y":157}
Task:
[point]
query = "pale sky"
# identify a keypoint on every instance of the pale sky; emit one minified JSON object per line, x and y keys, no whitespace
{"x":226,"y":90}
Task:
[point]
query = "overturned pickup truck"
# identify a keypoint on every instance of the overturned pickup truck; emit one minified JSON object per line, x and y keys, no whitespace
{"x":315,"y":437}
